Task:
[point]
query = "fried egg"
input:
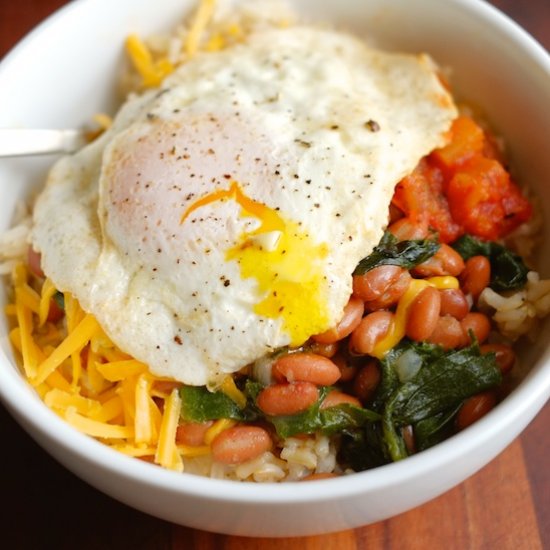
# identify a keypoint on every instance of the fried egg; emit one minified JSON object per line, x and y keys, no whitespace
{"x":221,"y":216}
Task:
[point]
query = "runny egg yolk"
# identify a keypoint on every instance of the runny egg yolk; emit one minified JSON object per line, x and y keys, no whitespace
{"x":284,"y":260}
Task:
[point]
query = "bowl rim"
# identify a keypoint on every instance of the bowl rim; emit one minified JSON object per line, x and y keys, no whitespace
{"x":14,"y":390}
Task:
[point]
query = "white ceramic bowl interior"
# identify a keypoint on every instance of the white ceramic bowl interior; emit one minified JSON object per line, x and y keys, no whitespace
{"x":66,"y":71}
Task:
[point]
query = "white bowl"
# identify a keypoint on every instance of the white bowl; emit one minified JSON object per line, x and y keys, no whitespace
{"x":65,"y":71}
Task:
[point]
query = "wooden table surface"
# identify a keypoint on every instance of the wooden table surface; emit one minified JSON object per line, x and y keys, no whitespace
{"x":506,"y":505}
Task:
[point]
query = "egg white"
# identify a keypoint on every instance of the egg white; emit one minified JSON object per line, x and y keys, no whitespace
{"x":309,"y":124}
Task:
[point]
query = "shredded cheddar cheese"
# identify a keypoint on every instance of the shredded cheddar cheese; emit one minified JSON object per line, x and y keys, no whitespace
{"x":96,"y":428}
{"x":76,"y":340}
{"x":217,"y":428}
{"x":103,"y":121}
{"x":119,"y":370}
{"x":167,"y":454}
{"x":152,"y":73}
{"x":203,"y":16}
{"x":98,"y":389}
{"x":229,"y":388}
{"x":28,"y":347}
{"x":29,"y":297}
{"x":190,"y":452}
{"x":48,"y":292}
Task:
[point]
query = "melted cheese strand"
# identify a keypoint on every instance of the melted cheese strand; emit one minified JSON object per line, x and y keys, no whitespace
{"x":397,"y":329}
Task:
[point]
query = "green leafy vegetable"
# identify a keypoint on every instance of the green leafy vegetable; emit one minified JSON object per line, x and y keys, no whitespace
{"x":393,"y":438}
{"x":363,"y":448}
{"x":326,"y":421}
{"x":59,"y":299}
{"x":439,"y":387}
{"x":431,"y":398}
{"x":444,"y":383}
{"x":390,"y":251}
{"x":433,"y":430}
{"x":344,"y":417}
{"x":508,"y":271}
{"x":199,"y":405}
{"x":390,"y":378}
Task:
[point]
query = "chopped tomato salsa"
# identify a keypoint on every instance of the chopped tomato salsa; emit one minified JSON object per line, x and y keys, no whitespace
{"x":462,"y":188}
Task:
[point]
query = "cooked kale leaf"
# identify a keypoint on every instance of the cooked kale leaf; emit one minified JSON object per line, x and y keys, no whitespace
{"x":428,"y":401}
{"x":199,"y":405}
{"x":508,"y":271}
{"x":326,"y":421}
{"x":433,"y":430}
{"x":390,"y":251}
{"x":444,"y":383}
{"x":363,"y":448}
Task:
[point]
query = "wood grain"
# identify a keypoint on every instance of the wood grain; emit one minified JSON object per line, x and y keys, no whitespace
{"x":505,"y":506}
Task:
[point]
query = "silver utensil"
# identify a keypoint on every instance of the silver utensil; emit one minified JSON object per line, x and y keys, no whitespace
{"x":15,"y":142}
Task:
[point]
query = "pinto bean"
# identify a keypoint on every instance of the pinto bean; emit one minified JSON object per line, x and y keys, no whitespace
{"x":423,"y":314}
{"x":446,"y":261}
{"x":448,"y":333}
{"x":353,"y":312}
{"x":326,"y":350}
{"x":478,"y":323}
{"x":306,"y":367}
{"x":392,"y":295}
{"x":286,"y":399}
{"x":476,"y":275}
{"x":504,"y":355}
{"x":405,"y":229}
{"x":336,"y":397}
{"x":366,"y":381}
{"x":474,"y":408}
{"x":375,"y":282}
{"x":370,"y":331}
{"x":348,"y":367}
{"x":192,"y":433}
{"x":240,"y":444}
{"x":454,"y":303}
